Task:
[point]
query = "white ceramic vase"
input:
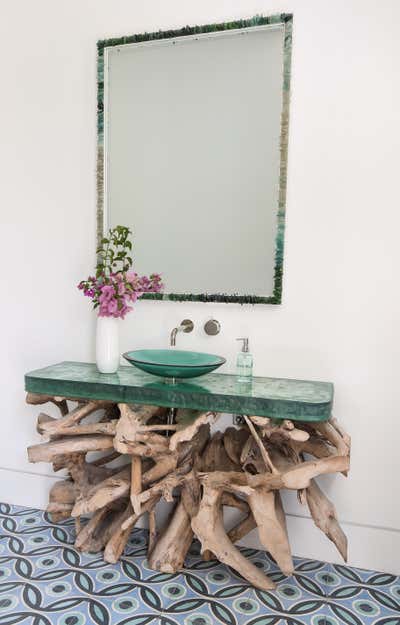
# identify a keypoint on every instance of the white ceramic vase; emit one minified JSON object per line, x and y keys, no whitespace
{"x":107,"y":344}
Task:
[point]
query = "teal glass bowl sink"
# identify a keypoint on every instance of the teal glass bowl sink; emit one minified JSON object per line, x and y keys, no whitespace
{"x":174,"y":363}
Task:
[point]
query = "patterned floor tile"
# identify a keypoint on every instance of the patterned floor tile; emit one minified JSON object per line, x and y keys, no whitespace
{"x":364,"y":597}
{"x":45,"y":581}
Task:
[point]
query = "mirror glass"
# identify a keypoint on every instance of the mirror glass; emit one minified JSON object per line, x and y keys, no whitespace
{"x":193,"y":159}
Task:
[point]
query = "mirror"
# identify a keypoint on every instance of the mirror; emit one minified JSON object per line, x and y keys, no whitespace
{"x":192,"y":152}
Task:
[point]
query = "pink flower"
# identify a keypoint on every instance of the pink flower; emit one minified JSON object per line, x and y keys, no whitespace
{"x":131,"y":276}
{"x":107,"y":293}
{"x":112,"y":293}
{"x":112,"y":307}
{"x":134,"y":296}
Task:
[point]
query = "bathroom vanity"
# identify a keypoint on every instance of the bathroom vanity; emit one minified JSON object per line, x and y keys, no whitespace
{"x":192,"y":152}
{"x":286,"y":440}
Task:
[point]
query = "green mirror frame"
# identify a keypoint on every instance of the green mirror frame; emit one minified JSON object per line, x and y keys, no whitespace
{"x":286,"y":20}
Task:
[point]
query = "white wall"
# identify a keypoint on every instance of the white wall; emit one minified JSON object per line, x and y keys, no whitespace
{"x":339,"y":318}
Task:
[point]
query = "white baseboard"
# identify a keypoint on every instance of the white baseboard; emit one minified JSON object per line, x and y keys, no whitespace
{"x":370,"y":547}
{"x":21,"y":488}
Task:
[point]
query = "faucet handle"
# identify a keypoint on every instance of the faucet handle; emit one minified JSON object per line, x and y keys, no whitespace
{"x":187,"y":325}
{"x":212,"y":327}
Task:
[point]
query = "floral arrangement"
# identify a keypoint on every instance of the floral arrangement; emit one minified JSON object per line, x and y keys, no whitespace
{"x":115,"y":285}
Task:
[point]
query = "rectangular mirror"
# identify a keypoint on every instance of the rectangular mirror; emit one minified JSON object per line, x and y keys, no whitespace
{"x":192,"y":155}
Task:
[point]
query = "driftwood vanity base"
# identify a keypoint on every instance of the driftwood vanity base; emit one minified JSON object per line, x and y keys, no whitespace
{"x":200,"y":472}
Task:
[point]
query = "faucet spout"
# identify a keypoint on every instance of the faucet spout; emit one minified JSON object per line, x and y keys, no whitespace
{"x":186,"y":326}
{"x":172,"y":340}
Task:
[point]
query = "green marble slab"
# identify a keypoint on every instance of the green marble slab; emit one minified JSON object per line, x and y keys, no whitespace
{"x":299,"y":400}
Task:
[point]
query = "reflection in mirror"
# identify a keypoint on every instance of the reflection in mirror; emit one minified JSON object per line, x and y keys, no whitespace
{"x":194,"y":162}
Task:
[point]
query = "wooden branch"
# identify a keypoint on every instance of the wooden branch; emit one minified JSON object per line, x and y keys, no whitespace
{"x":106,"y":459}
{"x":244,"y":527}
{"x":324,"y":514}
{"x":164,"y":464}
{"x":132,"y":423}
{"x":215,"y":458}
{"x":63,"y":491}
{"x":59,"y":511}
{"x":61,"y":500}
{"x":47,"y":452}
{"x":165,"y":486}
{"x":171,"y":548}
{"x":136,"y":483}
{"x":101,"y":494}
{"x":286,"y":429}
{"x":295,"y":478}
{"x":145,"y":450}
{"x":234,"y":440}
{"x":37,"y":400}
{"x":60,"y":426}
{"x":315,"y":446}
{"x":118,"y":534}
{"x":118,"y":537}
{"x":264,"y":454}
{"x":335,"y":423}
{"x":187,"y":433}
{"x":85,"y":540}
{"x":272,"y":533}
{"x":208,"y":527}
{"x":44,"y":422}
{"x":152,"y":531}
{"x":230,"y":500}
{"x":332,"y":436}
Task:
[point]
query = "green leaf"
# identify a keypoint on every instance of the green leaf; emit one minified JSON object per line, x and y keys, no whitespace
{"x":99,"y":613}
{"x":116,"y":589}
{"x":186,"y":605}
{"x":23,"y":568}
{"x":265,"y":620}
{"x":8,"y":587}
{"x":16,"y":617}
{"x":32,"y":596}
{"x":308,"y":584}
{"x":381,"y":579}
{"x":345,"y":615}
{"x":150,"y":597}
{"x":223,"y":614}
{"x":161,"y":577}
{"x":305,"y":607}
{"x":230,"y":591}
{"x":345,"y":592}
{"x":385,"y":600}
{"x":196,"y":584}
{"x":63,"y":604}
{"x":347,"y":572}
{"x":83,"y":581}
{"x":71,"y":557}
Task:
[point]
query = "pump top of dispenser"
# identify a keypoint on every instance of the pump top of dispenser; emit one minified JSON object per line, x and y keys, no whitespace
{"x":245,"y":346}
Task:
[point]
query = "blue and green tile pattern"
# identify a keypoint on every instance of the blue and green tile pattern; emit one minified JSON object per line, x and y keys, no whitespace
{"x":45,"y":581}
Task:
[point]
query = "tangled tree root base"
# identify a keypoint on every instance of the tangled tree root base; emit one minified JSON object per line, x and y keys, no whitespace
{"x":244,"y":468}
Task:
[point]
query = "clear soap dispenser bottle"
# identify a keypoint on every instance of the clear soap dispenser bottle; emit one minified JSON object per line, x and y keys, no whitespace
{"x":244,"y":362}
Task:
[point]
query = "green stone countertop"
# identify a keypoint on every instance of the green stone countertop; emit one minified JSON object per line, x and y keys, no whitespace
{"x":279,"y":398}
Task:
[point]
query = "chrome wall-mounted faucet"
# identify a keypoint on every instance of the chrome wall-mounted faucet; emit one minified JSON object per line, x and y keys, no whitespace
{"x":186,"y":326}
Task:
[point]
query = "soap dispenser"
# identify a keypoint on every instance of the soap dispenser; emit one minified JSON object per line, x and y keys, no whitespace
{"x":244,"y":362}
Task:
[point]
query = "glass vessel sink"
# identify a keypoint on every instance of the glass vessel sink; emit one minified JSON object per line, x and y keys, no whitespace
{"x":174,"y":363}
